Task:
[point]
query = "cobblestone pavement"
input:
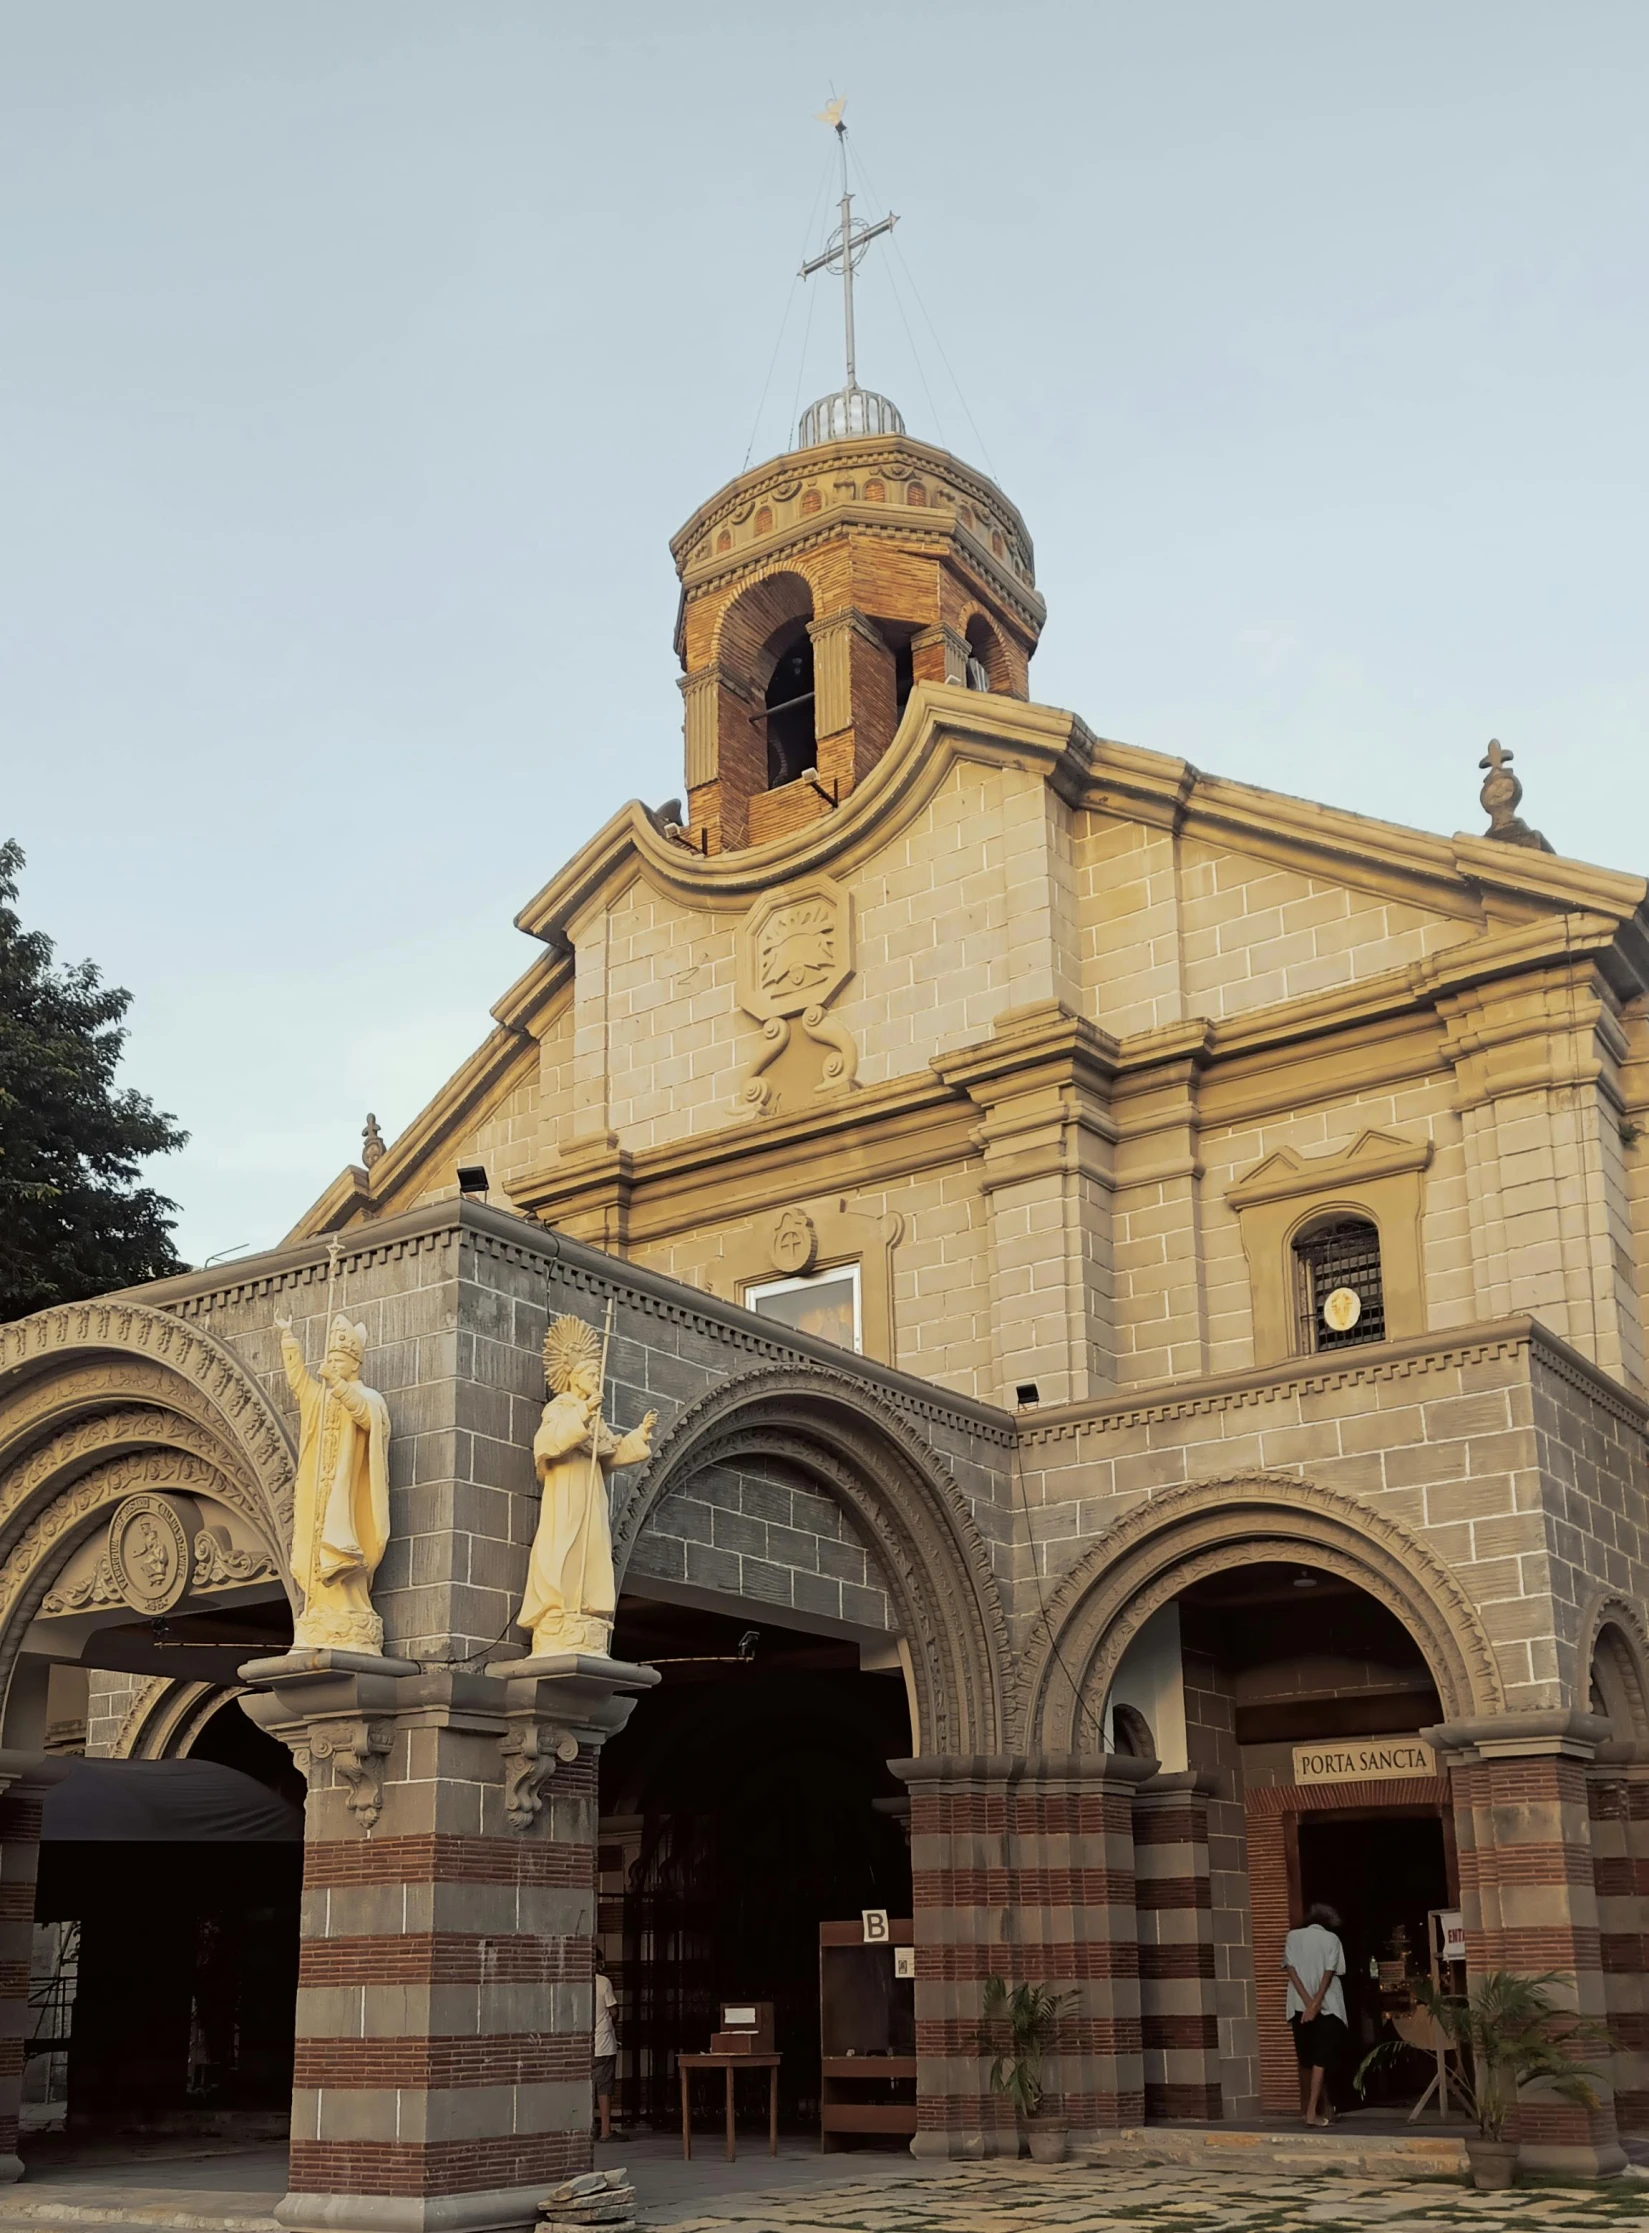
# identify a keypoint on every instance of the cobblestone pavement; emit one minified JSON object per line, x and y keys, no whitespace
{"x":1084,"y":2199}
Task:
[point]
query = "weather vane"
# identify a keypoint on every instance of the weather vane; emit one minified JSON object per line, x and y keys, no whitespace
{"x":847,"y":247}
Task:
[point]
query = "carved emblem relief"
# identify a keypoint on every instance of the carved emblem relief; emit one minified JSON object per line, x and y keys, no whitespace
{"x":795,"y":954}
{"x":149,"y":1559}
{"x":795,"y":1243}
{"x":156,"y":1551}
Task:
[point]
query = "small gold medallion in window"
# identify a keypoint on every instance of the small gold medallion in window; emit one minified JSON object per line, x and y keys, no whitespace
{"x":1341,"y":1309}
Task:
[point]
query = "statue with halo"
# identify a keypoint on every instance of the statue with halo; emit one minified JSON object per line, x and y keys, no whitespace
{"x":571,"y":1598}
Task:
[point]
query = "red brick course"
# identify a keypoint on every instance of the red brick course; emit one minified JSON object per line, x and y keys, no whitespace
{"x":498,"y":2059}
{"x":435,"y":2167}
{"x":444,"y":1958}
{"x":433,"y":1858}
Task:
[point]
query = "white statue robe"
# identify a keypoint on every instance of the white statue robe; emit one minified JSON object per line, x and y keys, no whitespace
{"x":340,"y":1506}
{"x":570,"y":1598}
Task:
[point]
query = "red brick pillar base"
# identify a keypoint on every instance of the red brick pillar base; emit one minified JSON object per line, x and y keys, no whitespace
{"x":1174,"y":1903}
{"x":1023,"y":1868}
{"x":1522,"y":1828}
{"x":442,"y":2072}
{"x":1617,"y":1787}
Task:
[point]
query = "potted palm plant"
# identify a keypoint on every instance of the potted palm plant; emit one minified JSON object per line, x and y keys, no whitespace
{"x":1509,"y":2033}
{"x":1028,"y":2014}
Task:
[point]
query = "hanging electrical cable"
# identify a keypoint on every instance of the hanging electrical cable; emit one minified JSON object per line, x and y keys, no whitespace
{"x":784,"y":322}
{"x":864,"y":174}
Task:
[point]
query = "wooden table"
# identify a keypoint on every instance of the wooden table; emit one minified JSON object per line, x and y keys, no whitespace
{"x":731,"y":2063}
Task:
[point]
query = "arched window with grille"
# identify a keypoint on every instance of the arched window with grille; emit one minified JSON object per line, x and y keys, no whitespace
{"x":1338,"y":1296}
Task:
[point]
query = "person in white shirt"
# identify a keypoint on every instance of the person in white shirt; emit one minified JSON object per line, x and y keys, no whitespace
{"x":1314,"y":1962}
{"x":604,"y":2046}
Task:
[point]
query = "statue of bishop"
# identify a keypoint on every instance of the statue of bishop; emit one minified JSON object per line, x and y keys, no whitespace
{"x":340,"y":1500}
{"x":570,"y":1598}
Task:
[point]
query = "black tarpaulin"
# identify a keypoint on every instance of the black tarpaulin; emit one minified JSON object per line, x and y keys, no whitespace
{"x":178,"y":1802}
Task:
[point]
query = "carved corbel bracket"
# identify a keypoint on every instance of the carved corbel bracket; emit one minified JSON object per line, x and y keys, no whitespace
{"x":532,"y":1751}
{"x":358,"y":1751}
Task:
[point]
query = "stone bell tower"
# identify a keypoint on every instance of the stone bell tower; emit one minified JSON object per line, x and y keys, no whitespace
{"x":816,"y":590}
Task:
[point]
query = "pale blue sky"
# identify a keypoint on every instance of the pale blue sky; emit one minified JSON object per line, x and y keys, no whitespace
{"x":359,"y":361}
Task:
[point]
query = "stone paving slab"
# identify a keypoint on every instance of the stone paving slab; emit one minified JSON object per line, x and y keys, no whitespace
{"x":1084,"y":2198}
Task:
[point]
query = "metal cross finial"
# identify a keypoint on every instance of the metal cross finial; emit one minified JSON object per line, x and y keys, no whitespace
{"x":1496,"y":756}
{"x":847,"y":247}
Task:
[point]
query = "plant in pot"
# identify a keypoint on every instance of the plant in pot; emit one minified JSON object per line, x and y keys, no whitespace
{"x":1509,"y":2033}
{"x":1027,"y":2015}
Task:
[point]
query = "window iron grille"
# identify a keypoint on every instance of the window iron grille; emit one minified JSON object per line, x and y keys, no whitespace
{"x":1343,"y":1254}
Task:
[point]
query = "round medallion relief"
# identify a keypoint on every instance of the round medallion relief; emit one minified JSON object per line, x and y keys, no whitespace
{"x":1342,"y":1309}
{"x":149,"y":1554}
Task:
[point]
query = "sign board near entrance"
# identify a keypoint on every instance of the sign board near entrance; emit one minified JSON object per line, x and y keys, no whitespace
{"x":1364,"y":1760}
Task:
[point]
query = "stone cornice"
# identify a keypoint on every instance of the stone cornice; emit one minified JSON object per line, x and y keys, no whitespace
{"x":1378,"y":1361}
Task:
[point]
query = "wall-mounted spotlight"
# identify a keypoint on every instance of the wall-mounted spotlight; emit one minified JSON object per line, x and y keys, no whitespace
{"x":472,"y":1179}
{"x":1027,"y":1392}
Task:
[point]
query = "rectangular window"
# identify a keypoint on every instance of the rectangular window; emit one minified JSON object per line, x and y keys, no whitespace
{"x":822,"y":1303}
{"x":1338,"y":1293}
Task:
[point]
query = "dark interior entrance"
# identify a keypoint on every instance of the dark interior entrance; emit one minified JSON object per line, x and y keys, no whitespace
{"x":184,"y":1879}
{"x":753,"y":1795}
{"x":1381,"y":1872}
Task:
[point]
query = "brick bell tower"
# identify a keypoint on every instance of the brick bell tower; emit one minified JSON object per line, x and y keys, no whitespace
{"x":818,"y":589}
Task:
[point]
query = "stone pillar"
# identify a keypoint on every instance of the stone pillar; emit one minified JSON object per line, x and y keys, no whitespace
{"x":1023,"y":1868}
{"x":442,"y":2071}
{"x":940,"y":654}
{"x":1522,"y":1830}
{"x":1617,"y":1790}
{"x":726,"y":754}
{"x":1173,"y":1901}
{"x":855,"y":697}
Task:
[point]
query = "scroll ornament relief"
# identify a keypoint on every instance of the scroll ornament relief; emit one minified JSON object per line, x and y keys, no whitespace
{"x":795,"y":953}
{"x":340,"y":1500}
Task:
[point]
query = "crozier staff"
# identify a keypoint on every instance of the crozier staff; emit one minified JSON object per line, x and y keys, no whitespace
{"x":571,"y":1598}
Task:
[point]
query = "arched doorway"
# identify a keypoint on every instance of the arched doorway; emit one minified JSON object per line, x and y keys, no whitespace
{"x":811,"y":1587}
{"x":144,"y":1496}
{"x":1280,"y":1650}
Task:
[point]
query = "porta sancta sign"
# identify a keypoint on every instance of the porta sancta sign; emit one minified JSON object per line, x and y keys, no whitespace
{"x":1364,"y":1760}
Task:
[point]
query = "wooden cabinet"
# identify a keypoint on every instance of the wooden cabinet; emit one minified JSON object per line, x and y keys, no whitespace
{"x":867,"y":2035}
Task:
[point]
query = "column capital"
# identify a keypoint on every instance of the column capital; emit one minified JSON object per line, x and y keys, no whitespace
{"x":1563,"y":1734}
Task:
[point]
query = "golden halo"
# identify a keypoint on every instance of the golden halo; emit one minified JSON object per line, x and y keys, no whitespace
{"x":568,"y":1344}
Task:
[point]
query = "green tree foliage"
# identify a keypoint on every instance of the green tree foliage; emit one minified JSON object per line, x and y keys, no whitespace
{"x":73,"y":1219}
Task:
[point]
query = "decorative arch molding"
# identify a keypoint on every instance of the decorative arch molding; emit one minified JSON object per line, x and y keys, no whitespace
{"x":1208,"y":1527}
{"x":50,"y":1466}
{"x":38,"y":1554}
{"x":34,"y":1351}
{"x":853,"y":1446}
{"x":1614,"y":1658}
{"x":167,"y":1715}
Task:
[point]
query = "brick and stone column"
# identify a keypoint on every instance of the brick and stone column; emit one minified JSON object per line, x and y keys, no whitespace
{"x":1173,"y":1902}
{"x":1522,"y":1829}
{"x":1617,"y":1790}
{"x":442,"y":2070}
{"x":1023,"y":1868}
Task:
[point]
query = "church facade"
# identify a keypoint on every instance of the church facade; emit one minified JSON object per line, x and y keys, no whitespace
{"x":1154,"y":1268}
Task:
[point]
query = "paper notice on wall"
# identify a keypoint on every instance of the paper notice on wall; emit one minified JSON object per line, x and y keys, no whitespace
{"x":1364,"y":1760}
{"x":1452,"y":1924}
{"x":904,"y":1961}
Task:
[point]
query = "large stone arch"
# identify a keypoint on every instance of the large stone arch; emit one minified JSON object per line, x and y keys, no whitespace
{"x":1162,"y":1546}
{"x":859,"y":1450}
{"x":99,"y":1400}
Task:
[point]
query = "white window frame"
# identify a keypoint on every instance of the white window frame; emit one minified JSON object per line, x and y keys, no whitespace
{"x":756,"y":1289}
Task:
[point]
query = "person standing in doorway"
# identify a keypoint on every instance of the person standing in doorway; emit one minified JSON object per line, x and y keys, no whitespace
{"x":1314,"y":1962}
{"x":604,"y":2045}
